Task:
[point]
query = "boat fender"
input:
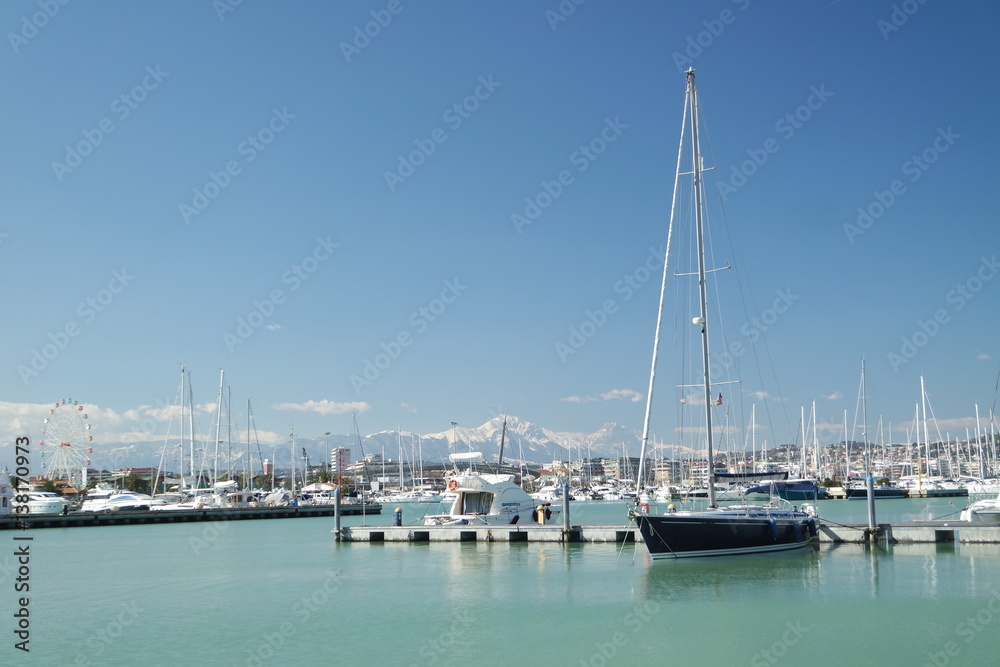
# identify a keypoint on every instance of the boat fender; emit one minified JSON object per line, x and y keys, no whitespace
{"x":773,"y":527}
{"x":452,"y":484}
{"x":798,"y":532}
{"x":811,"y":523}
{"x":514,"y":520}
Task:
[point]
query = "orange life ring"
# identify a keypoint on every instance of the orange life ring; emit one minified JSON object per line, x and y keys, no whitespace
{"x":452,"y":484}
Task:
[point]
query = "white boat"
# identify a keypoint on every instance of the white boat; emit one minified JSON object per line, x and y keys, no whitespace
{"x":714,"y":531}
{"x":118,"y":501}
{"x":45,"y":502}
{"x":489,"y":499}
{"x":550,"y":493}
{"x":983,"y":511}
{"x":410,"y":497}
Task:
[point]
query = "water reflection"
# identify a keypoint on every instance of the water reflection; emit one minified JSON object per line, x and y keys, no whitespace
{"x":829,"y":573}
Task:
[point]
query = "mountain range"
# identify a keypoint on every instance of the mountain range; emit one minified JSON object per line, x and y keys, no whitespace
{"x":524,"y":441}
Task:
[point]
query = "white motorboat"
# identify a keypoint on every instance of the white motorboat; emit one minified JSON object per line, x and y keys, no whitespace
{"x":550,"y":493}
{"x":489,"y":499}
{"x":119,"y":501}
{"x":45,"y":502}
{"x":983,"y":511}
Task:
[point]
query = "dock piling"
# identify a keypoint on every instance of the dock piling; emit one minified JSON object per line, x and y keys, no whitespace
{"x":565,"y":499}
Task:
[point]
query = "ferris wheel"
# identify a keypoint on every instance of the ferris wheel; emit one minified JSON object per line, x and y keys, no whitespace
{"x":65,"y":451}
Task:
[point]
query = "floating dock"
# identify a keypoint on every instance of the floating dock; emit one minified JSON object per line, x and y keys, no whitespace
{"x":554,"y":533}
{"x":912,"y":532}
{"x":132,"y":517}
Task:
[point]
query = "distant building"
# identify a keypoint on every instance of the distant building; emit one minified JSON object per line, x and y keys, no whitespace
{"x":340,"y":459}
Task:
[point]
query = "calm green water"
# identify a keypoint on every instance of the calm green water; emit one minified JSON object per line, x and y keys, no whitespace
{"x":283,"y":593}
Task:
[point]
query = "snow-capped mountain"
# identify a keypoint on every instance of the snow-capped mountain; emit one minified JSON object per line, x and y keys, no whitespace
{"x":525,"y":441}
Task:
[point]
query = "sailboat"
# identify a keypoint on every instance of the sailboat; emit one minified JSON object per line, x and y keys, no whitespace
{"x":715,"y":531}
{"x":859,"y":490}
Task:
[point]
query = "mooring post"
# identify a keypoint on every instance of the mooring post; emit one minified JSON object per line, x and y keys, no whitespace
{"x":872,"y":526}
{"x":565,"y":499}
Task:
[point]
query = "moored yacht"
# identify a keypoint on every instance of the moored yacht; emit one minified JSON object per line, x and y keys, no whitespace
{"x":489,"y":499}
{"x":45,"y":502}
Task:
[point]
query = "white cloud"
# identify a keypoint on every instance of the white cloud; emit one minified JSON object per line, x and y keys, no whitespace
{"x":409,"y":408}
{"x":325,"y":407}
{"x":617,"y":394}
{"x":835,"y":396}
{"x":272,"y":327}
{"x":613,"y":395}
{"x":982,"y":356}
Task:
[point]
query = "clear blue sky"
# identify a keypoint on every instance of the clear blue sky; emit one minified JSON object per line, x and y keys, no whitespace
{"x":110,"y":257}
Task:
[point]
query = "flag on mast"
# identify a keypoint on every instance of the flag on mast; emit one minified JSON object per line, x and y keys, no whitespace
{"x":718,"y":401}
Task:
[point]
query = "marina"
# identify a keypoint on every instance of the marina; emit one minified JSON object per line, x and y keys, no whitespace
{"x":311,"y":598}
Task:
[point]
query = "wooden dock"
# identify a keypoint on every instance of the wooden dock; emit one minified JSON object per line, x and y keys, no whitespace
{"x":122,"y":518}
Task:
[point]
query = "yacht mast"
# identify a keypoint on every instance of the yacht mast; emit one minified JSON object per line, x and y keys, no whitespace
{"x":702,"y":319}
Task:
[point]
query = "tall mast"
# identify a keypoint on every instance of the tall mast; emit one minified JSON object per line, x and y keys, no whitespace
{"x":503,"y":437}
{"x":191,"y":427}
{"x":864,"y":420}
{"x":702,"y":320}
{"x":183,"y":482}
{"x":927,"y":442}
{"x":218,"y":427}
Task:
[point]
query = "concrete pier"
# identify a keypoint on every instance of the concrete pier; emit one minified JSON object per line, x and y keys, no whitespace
{"x":30,"y":522}
{"x":912,"y":532}
{"x":416,"y":534}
